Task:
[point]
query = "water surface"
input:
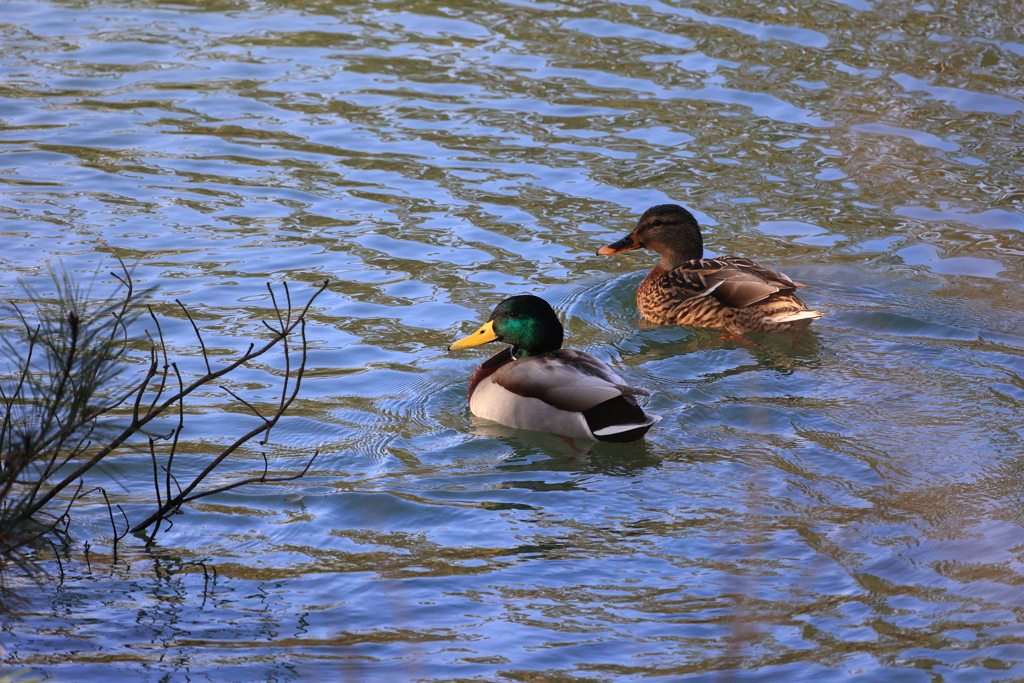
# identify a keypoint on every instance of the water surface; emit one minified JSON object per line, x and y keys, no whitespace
{"x":845,"y":506}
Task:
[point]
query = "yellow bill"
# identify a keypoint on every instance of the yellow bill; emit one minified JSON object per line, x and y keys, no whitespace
{"x":482,"y":336}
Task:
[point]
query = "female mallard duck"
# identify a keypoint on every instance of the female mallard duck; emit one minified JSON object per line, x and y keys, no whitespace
{"x":536,"y":384}
{"x":729,"y":292}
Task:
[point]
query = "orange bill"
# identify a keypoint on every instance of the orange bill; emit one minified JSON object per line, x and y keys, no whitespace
{"x":625,"y":244}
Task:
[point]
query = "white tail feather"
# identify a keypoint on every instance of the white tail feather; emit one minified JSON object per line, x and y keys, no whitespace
{"x":791,"y":317}
{"x":615,"y":429}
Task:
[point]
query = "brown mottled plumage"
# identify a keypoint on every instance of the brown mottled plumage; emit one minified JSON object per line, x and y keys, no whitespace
{"x":730,"y":293}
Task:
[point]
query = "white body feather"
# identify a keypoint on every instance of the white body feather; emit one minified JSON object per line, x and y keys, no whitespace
{"x":576,"y":384}
{"x":494,"y":402}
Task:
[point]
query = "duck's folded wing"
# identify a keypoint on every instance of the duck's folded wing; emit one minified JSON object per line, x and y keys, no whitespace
{"x":735,"y":282}
{"x":566,"y":379}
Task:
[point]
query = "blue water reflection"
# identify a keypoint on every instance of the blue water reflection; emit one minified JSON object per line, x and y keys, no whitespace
{"x":844,"y":505}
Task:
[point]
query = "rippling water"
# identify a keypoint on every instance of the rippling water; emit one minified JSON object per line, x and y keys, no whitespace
{"x":843,"y":506}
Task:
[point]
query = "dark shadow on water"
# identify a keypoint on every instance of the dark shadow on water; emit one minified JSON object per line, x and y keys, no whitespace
{"x":782,"y":353}
{"x":613,"y":459}
{"x":787,"y":353}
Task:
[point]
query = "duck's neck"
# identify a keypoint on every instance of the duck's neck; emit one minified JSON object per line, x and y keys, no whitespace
{"x":671,"y":260}
{"x":679,"y":247}
{"x":535,"y":350}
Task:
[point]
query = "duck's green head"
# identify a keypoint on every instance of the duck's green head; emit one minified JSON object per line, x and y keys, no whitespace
{"x":526,"y":322}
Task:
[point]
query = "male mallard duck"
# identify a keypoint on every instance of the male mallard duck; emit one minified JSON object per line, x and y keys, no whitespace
{"x":728,"y":292}
{"x":536,"y":384}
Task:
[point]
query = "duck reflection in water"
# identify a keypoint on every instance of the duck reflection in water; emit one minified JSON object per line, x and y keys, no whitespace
{"x":529,"y":452}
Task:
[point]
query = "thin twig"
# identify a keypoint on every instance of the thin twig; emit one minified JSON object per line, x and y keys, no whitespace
{"x":173,"y":478}
{"x":277,"y":309}
{"x":244,"y":402}
{"x":199,"y":336}
{"x":110,"y":512}
{"x":56,"y":555}
{"x":156,"y":471}
{"x":130,"y":285}
{"x":263,"y":479}
{"x":173,"y":450}
{"x":163,"y":349}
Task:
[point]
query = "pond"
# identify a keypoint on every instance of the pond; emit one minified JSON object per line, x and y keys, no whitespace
{"x":845,"y":505}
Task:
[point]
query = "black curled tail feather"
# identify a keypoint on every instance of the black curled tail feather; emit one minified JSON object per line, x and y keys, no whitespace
{"x":621,"y":410}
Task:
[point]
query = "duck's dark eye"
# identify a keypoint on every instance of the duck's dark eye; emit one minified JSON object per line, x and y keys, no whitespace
{"x":513,"y":314}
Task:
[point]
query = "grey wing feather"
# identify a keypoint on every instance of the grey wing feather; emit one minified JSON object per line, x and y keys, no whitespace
{"x":566,"y":379}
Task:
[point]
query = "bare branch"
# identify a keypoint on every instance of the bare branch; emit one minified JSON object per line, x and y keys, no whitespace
{"x":177,"y":434}
{"x":130,"y":286}
{"x":244,"y":402}
{"x":199,"y":335}
{"x":173,"y":478}
{"x":110,"y":512}
{"x":263,"y":479}
{"x":277,"y":309}
{"x":156,"y":472}
{"x":136,"y":426}
{"x":56,"y":555}
{"x":163,"y":349}
{"x":75,"y":363}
